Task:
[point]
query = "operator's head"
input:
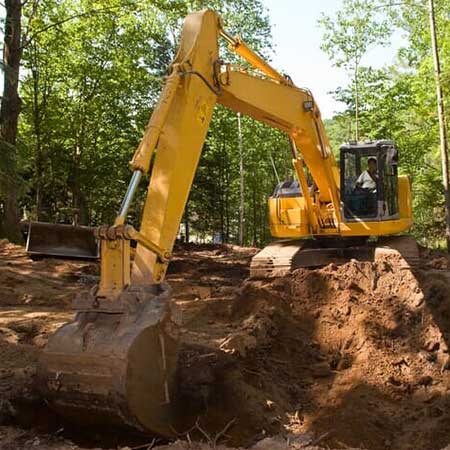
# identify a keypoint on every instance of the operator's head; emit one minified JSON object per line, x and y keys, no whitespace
{"x":372,"y":164}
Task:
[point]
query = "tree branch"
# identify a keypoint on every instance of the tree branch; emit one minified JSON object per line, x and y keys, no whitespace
{"x":30,"y":19}
{"x":391,"y":4}
{"x":68,"y":19}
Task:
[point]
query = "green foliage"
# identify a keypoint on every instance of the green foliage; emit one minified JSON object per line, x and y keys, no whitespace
{"x":93,"y":70}
{"x":353,"y":31}
{"x":347,"y":37}
{"x":399,"y":103}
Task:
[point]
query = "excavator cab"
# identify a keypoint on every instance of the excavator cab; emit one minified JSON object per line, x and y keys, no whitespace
{"x":369,"y":181}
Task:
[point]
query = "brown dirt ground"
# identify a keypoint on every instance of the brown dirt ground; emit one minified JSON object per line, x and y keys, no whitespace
{"x":342,"y":357}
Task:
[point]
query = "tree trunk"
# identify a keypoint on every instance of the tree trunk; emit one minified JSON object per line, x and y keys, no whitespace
{"x":255,"y":219}
{"x":186,"y":223}
{"x":222,"y":191}
{"x":79,"y":206}
{"x":356,"y":102}
{"x":39,"y":165}
{"x":241,"y":184}
{"x":9,"y":117}
{"x":442,"y":124}
{"x":227,"y":204}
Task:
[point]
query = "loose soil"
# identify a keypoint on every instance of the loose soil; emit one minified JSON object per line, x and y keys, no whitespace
{"x":351,"y":356}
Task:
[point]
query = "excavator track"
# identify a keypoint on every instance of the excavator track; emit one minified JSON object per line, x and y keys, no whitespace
{"x":281,"y":257}
{"x":401,"y":251}
{"x":116,"y":368}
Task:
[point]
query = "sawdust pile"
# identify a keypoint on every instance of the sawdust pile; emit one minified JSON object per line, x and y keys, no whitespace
{"x":352,"y":356}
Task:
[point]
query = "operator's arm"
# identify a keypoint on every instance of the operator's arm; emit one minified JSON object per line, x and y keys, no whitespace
{"x":360,"y":180}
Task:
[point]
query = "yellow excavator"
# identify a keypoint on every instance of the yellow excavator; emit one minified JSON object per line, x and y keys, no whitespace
{"x":116,"y":363}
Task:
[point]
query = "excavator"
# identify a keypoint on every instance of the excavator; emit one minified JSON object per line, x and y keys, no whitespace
{"x":116,"y":362}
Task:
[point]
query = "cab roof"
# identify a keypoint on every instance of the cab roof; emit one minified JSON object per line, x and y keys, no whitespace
{"x":367,"y":145}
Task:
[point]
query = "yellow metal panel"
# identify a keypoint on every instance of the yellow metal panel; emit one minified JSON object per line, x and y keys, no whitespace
{"x":114,"y":267}
{"x":375,"y":228}
{"x":310,"y":211}
{"x":288,"y":217}
{"x":404,"y":197}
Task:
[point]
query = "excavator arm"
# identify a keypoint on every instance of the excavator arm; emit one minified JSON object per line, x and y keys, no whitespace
{"x":175,"y":136}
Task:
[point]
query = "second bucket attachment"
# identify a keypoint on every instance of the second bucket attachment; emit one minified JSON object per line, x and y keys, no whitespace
{"x":61,"y":241}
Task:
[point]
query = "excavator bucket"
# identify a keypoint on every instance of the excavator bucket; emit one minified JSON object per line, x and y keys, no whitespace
{"x":61,"y":241}
{"x":116,"y":368}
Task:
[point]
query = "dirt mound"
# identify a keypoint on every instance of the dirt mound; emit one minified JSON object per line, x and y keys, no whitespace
{"x":358,"y":351}
{"x":48,"y":282}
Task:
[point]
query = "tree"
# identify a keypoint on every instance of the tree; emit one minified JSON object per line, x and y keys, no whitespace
{"x":9,"y":117}
{"x":241,"y":181}
{"x":348,"y":37}
{"x":441,"y":118}
{"x":399,"y":102}
{"x":92,"y":71}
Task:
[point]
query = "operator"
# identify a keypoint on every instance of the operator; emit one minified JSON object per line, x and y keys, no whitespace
{"x":368,"y":179}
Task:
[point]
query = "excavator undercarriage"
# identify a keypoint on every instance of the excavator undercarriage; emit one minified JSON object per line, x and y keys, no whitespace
{"x":282,"y":257}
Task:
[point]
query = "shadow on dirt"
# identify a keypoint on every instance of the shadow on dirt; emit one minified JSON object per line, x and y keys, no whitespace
{"x":357,"y":354}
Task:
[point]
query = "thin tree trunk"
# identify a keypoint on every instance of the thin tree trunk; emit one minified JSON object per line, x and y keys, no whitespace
{"x":255,"y":231}
{"x":79,"y":213}
{"x":9,"y":117}
{"x":241,"y":183}
{"x":265,"y":223}
{"x":39,"y":166}
{"x":227,"y":203}
{"x":442,"y":124}
{"x":356,"y":103}
{"x":222,"y":189}
{"x":222,"y":202}
{"x":186,"y":223}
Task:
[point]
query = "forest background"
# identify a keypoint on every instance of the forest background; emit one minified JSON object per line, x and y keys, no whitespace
{"x":88,"y":72}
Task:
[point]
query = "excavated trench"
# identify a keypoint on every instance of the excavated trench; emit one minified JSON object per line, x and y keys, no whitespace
{"x":351,"y":356}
